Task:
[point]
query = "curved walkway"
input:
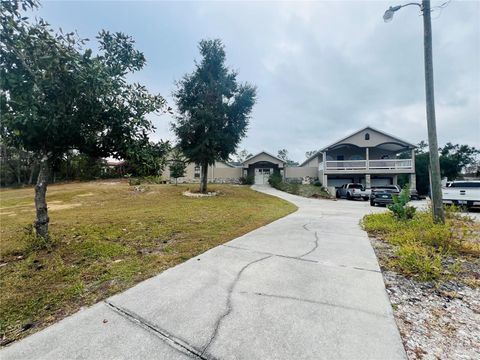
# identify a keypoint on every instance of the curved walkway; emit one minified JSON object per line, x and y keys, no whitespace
{"x":307,"y":286}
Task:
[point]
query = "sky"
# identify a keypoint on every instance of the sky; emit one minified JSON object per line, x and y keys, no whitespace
{"x":323,"y":69}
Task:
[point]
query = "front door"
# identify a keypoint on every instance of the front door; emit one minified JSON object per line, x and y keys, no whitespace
{"x":262,"y":175}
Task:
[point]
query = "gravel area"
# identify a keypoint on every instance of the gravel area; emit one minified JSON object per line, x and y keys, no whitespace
{"x":436,"y":321}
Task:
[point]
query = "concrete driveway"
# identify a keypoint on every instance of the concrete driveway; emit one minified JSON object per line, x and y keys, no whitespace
{"x":307,"y":286}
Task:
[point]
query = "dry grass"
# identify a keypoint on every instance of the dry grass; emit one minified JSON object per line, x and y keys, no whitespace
{"x":429,"y":251}
{"x":107,"y":238}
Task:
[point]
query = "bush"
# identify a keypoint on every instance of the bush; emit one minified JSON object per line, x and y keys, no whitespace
{"x":247,"y":180}
{"x":317,"y":183}
{"x":400,"y":208}
{"x":421,"y":261}
{"x":152,"y":180}
{"x":275,"y":180}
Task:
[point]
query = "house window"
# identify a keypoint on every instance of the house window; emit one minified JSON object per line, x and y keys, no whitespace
{"x":196,"y":171}
{"x":367,"y":136}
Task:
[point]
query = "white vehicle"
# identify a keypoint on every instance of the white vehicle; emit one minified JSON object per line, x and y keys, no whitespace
{"x":351,"y":191}
{"x":465,"y":193}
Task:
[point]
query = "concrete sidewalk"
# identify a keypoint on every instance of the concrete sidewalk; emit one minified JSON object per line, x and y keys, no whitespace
{"x":307,"y":286}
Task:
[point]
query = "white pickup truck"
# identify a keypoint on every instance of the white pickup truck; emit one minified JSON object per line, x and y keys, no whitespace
{"x":466,"y":193}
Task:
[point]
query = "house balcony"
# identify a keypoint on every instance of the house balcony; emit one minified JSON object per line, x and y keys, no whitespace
{"x":368,"y":166}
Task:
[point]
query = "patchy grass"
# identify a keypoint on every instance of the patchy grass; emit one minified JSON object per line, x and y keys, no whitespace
{"x":429,"y":251}
{"x":106,"y":238}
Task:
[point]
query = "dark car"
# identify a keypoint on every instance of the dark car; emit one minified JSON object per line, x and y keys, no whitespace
{"x":383,"y":195}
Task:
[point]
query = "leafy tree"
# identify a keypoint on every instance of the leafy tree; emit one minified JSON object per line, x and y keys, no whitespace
{"x":178,"y":165}
{"x":213,"y":108}
{"x":57,"y":96}
{"x":147,"y":158}
{"x":455,"y":158}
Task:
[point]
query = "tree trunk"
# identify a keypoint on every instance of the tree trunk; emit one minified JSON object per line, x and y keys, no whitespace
{"x":41,"y":222}
{"x":203,"y":178}
{"x":32,"y":171}
{"x":19,"y":173}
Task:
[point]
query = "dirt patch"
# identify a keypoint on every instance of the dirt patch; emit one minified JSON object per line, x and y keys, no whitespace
{"x":7,"y":213}
{"x":199,"y":195}
{"x":85,"y":195}
{"x":436,"y":321}
{"x":57,"y":206}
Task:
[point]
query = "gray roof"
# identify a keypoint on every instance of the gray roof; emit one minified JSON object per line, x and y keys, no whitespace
{"x":354,"y":133}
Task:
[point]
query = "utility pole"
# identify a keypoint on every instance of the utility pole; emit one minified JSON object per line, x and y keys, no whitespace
{"x":435,"y":180}
{"x":436,"y":190}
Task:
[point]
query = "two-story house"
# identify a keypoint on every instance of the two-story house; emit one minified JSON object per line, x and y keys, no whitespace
{"x":368,"y":156}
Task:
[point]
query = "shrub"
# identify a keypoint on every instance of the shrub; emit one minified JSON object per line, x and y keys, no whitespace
{"x":423,"y":248}
{"x":399,"y":206}
{"x":247,"y":180}
{"x":317,"y":183}
{"x":152,"y":180}
{"x":134,"y":181}
{"x":419,"y":261}
{"x":275,"y":180}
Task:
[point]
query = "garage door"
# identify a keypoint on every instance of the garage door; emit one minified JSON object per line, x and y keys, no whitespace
{"x":380,"y":182}
{"x":338,"y":182}
{"x":262,"y":175}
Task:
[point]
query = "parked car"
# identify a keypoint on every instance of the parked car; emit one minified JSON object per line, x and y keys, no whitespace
{"x":383,"y":195}
{"x":465,"y":193}
{"x":351,"y":191}
{"x":413,"y":192}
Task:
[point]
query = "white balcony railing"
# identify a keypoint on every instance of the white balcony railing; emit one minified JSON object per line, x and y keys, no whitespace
{"x":384,"y":164}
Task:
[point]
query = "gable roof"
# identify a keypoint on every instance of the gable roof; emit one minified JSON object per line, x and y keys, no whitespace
{"x":263,"y":152}
{"x":410,"y":145}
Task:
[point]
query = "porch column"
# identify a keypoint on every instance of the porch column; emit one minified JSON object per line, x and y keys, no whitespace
{"x":325,"y":180}
{"x":324,"y":159}
{"x":367,"y":158}
{"x":413,"y":160}
{"x":367,"y":180}
{"x":395,"y":180}
{"x":413,"y":182}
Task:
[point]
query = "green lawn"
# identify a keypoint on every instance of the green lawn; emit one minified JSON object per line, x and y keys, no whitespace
{"x":107,"y":238}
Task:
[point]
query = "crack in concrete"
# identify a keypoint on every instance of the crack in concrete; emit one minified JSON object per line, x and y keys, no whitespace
{"x":304,"y":260}
{"x":315,"y":246}
{"x":228,"y":309}
{"x":174,"y":342}
{"x":294,"y":298}
{"x":271,"y":254}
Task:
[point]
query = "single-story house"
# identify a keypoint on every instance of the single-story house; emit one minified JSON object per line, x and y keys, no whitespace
{"x":368,"y":156}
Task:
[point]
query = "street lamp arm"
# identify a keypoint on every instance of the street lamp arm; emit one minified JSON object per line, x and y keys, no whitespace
{"x":412,"y":3}
{"x":388,"y":16}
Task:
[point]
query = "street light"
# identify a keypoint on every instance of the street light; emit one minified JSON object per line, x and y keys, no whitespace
{"x":435,"y":180}
{"x":388,"y":16}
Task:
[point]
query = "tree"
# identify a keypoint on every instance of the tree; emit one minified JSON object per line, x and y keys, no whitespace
{"x":242,"y":155}
{"x":455,"y":158}
{"x":147,"y":158}
{"x":310,"y":153}
{"x":57,"y":96}
{"x":178,"y":165}
{"x":214,"y":110}
{"x":283,"y":154}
